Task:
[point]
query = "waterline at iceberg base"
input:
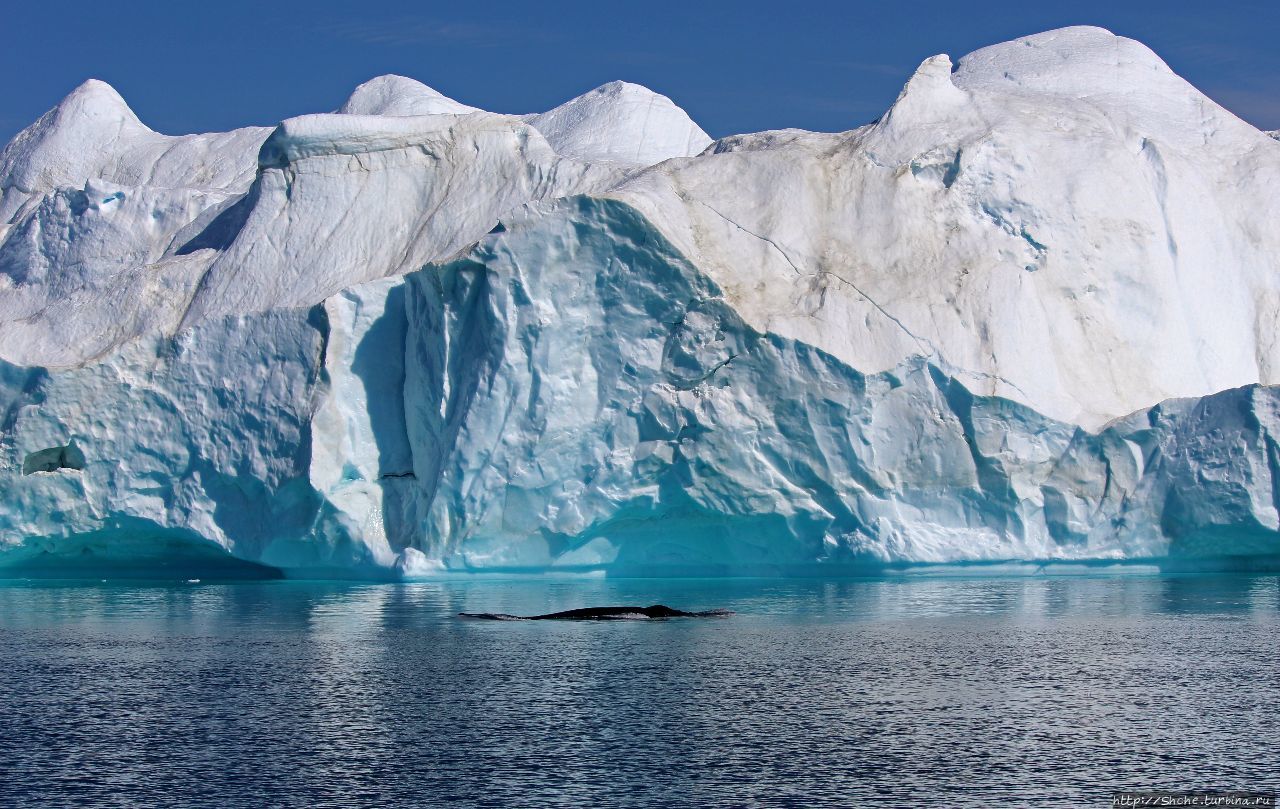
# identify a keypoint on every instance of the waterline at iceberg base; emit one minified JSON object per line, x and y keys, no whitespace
{"x":415,"y":339}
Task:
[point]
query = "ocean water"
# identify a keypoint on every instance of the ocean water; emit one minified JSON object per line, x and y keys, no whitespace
{"x":947,"y":691}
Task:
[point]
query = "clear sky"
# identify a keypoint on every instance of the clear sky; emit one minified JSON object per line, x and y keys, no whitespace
{"x":736,"y":67}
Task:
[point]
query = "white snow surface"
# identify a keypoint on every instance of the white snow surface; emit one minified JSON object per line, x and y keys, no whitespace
{"x":621,"y":122}
{"x":93,"y":135}
{"x":1063,"y":220}
{"x":1027,"y":314}
{"x":400,"y":96}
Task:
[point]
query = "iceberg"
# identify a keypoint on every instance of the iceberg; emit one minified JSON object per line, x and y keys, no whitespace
{"x":1027,"y":315}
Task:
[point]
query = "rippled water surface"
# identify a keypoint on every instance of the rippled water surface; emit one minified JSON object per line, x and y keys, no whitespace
{"x":958,"y":690}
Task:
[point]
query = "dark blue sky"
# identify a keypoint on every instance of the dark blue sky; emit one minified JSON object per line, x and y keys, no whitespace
{"x":735,"y":67}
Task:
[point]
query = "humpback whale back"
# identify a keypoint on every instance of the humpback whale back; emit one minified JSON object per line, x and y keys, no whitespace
{"x":655,"y":611}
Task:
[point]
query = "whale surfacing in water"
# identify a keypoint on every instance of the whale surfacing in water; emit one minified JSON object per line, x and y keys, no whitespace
{"x":656,"y":611}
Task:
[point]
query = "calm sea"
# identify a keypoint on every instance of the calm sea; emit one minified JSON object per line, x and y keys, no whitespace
{"x":939,"y":691}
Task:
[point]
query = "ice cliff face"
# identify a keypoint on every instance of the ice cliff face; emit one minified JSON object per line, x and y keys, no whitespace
{"x":1028,"y":314}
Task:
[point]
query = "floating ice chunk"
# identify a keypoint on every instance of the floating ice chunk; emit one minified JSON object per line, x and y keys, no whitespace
{"x":1027,"y":314}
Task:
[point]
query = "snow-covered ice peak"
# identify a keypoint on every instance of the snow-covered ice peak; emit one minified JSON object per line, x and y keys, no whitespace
{"x":1077,"y":216}
{"x":57,"y":149}
{"x":1118,"y":76}
{"x":94,"y":105}
{"x":399,"y":96}
{"x":1078,"y":59}
{"x":928,"y":95}
{"x":93,"y":134}
{"x":623,"y":123}
{"x":929,"y":109}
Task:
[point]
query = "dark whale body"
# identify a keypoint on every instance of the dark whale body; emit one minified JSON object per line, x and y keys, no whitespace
{"x":600,"y":614}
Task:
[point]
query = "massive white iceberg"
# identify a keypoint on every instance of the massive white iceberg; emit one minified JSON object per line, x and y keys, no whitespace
{"x":1028,"y":314}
